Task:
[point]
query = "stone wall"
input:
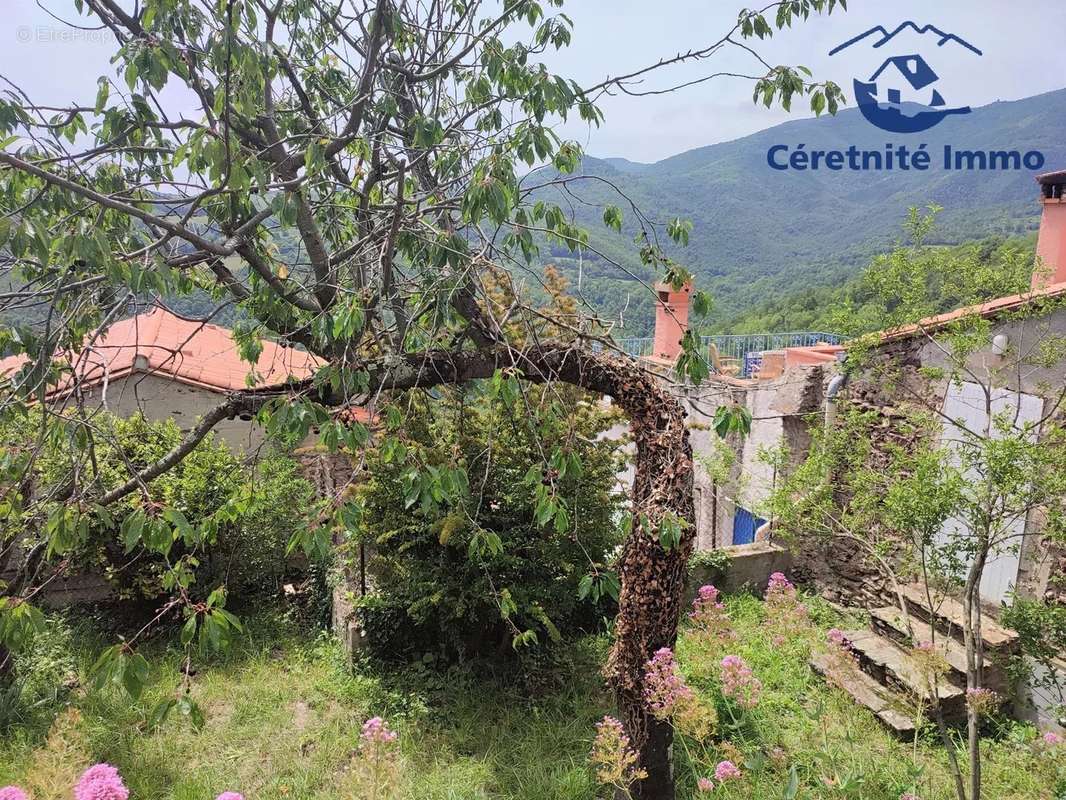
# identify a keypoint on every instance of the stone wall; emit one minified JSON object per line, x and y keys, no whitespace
{"x":840,"y":569}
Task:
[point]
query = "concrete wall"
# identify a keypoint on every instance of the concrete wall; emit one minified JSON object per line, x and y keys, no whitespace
{"x":159,"y":397}
{"x":748,"y":568}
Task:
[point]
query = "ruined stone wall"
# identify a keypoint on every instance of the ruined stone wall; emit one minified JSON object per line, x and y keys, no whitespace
{"x":840,"y":569}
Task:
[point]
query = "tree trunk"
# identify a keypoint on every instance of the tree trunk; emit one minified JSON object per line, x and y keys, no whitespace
{"x":653,"y":580}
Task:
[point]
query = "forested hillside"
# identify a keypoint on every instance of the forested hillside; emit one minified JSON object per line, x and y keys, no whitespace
{"x":760,"y":234}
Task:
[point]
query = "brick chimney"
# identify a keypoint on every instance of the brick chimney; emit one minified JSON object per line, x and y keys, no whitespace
{"x":671,"y":320}
{"x":1051,"y":243}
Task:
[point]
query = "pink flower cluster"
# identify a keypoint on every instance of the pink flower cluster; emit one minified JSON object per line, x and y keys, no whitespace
{"x":101,"y":782}
{"x":615,"y":761}
{"x":982,"y":700}
{"x":779,"y":585}
{"x":98,"y":782}
{"x":726,"y":770}
{"x":784,"y":611}
{"x":709,"y":616}
{"x":706,"y":598}
{"x":739,"y":683}
{"x":1052,"y":739}
{"x":664,"y":688}
{"x":375,"y":731}
{"x":705,"y":785}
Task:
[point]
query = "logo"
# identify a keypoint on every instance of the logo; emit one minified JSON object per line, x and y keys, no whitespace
{"x":901,"y":95}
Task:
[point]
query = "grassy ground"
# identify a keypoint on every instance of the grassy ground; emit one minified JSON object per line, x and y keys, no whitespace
{"x":283,"y":717}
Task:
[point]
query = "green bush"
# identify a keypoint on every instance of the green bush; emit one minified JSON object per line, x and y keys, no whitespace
{"x":248,"y":511}
{"x":463,"y":558}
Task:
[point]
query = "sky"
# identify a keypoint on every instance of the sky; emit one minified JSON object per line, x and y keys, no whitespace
{"x":613,"y":37}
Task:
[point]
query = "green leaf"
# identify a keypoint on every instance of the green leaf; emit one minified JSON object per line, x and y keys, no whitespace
{"x":584,"y":586}
{"x":792,"y":787}
{"x":191,"y":711}
{"x":612,"y":218}
{"x":134,"y":675}
{"x":188,"y":631}
{"x":102,"y":94}
{"x":161,"y":712}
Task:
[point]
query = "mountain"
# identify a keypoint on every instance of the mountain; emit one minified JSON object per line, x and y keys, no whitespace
{"x":759,"y":232}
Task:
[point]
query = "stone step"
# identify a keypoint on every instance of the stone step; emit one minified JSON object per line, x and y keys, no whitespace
{"x":885,"y":704}
{"x":947,"y":617}
{"x":890,"y":665}
{"x":888,"y":621}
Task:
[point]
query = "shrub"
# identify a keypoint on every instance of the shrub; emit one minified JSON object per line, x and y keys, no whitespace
{"x":464,"y":559}
{"x":247,"y":513}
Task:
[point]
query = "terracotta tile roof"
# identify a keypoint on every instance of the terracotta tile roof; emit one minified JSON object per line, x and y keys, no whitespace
{"x":992,"y":308}
{"x":162,"y":343}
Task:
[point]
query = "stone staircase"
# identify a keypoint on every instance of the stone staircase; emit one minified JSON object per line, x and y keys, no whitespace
{"x":887,"y":678}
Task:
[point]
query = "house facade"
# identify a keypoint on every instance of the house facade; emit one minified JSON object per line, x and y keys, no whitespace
{"x":166,"y":366}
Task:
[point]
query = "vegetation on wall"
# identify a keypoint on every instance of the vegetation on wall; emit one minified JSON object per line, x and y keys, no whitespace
{"x":931,"y":498}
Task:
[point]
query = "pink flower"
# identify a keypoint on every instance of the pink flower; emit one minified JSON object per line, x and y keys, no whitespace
{"x":664,"y":688}
{"x":739,"y":683}
{"x":705,"y":785}
{"x":1051,"y":738}
{"x":13,"y":793}
{"x":375,"y":731}
{"x":101,"y":782}
{"x":709,"y":616}
{"x":726,"y":770}
{"x":707,"y":594}
{"x":779,"y":583}
{"x":230,"y":796}
{"x":615,"y":761}
{"x":908,"y":796}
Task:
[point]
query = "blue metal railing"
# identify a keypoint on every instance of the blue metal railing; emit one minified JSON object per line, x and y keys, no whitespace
{"x":744,"y":349}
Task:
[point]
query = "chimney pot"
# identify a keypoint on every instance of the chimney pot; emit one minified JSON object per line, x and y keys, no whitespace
{"x":1051,"y":242}
{"x":671,"y":320}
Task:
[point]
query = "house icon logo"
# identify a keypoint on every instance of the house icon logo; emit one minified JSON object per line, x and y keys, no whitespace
{"x":901,"y":95}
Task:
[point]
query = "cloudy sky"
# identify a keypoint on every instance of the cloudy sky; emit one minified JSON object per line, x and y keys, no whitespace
{"x":617,"y":36}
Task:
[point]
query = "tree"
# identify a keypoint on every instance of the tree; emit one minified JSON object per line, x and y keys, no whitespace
{"x":351,"y":173}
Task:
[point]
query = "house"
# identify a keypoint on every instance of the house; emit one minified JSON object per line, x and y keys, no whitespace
{"x":163,"y":365}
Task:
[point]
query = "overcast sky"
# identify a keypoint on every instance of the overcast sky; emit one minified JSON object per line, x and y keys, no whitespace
{"x":1021,"y":42}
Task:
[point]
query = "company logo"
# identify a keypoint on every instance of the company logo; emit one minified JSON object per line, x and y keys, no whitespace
{"x":901,"y":95}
